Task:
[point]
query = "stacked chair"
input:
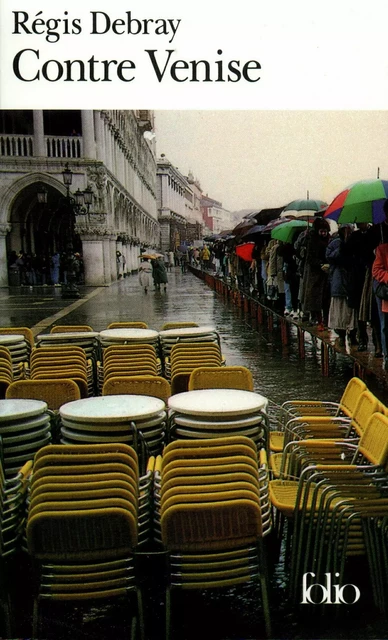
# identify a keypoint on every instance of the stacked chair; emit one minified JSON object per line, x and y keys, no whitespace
{"x":292,"y":409}
{"x":53,"y":363}
{"x":210,"y":413}
{"x":178,"y":325}
{"x":6,"y":370}
{"x":212,"y":515}
{"x":72,"y":336}
{"x":136,"y":420}
{"x":13,"y":493}
{"x":88,"y":512}
{"x":137,"y":324}
{"x":334,"y":496}
{"x":70,"y":328}
{"x":19,"y":348}
{"x":234,"y":377}
{"x":127,"y":360}
{"x":151,"y":385}
{"x":183,"y":357}
{"x":25,"y":427}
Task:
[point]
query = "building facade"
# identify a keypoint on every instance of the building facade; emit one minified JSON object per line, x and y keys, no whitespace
{"x":107,"y":153}
{"x":215,"y":217}
{"x":178,"y":212}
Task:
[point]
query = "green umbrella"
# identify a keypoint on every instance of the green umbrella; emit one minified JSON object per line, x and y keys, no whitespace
{"x":286,"y":232}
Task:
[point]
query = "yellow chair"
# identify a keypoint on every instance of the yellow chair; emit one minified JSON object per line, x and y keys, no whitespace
{"x":155,"y":386}
{"x":178,"y":325}
{"x":232,"y":377}
{"x":128,"y":325}
{"x":54,"y":392}
{"x":64,"y":328}
{"x":25,"y":331}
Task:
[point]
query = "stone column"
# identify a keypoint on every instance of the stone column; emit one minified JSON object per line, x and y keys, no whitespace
{"x":99,"y":131}
{"x":112,"y":247}
{"x":93,"y":255}
{"x":89,"y":143}
{"x":4,"y":229}
{"x":39,"y":145}
{"x":107,"y":260}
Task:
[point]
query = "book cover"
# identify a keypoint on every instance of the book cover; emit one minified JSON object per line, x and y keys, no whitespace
{"x":254,"y":104}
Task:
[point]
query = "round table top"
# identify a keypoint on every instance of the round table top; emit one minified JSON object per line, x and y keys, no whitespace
{"x":11,"y":338}
{"x":128,"y":334}
{"x":113,"y":408}
{"x":217,"y":402}
{"x":187,"y":331}
{"x":16,"y":409}
{"x":68,"y":335}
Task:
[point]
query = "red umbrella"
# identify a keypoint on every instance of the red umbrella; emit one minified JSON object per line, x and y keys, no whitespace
{"x":245,"y":251}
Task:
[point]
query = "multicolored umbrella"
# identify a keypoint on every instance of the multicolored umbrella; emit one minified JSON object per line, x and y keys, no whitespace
{"x":245,"y":251}
{"x":363,"y":201}
{"x":299,"y":208}
{"x":286,"y":231}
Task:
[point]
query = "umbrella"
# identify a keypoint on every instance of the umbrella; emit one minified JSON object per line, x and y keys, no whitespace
{"x":258,"y":228}
{"x":245,"y":251}
{"x":243,"y":226}
{"x":264,"y":215}
{"x":361,"y":202}
{"x":148,"y":256}
{"x":298,"y":208}
{"x":286,"y":231}
{"x":274,"y":223}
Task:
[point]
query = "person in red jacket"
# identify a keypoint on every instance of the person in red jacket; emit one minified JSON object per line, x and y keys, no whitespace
{"x":380,"y":274}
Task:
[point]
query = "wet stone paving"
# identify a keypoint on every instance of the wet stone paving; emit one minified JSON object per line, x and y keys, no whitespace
{"x":278,"y":374}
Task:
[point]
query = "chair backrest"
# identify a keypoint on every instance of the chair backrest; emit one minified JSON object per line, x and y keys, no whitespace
{"x":366,"y":406}
{"x":155,"y":386}
{"x":178,"y":325}
{"x":233,"y":377}
{"x":351,"y":395}
{"x":54,"y":392}
{"x":63,"y":328}
{"x":373,"y":445}
{"x":25,"y":331}
{"x":128,"y":325}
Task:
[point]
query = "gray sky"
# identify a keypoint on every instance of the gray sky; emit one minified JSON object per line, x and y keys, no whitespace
{"x":249,"y":159}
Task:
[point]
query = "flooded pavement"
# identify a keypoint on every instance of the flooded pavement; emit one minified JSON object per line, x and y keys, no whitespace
{"x":278,"y":374}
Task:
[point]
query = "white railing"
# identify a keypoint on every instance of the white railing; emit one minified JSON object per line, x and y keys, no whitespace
{"x":64,"y":146}
{"x":16,"y":145}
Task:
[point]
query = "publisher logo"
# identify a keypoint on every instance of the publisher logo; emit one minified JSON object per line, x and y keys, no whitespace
{"x":328,"y":593}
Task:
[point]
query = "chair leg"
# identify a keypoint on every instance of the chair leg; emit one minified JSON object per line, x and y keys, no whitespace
{"x":168,"y":613}
{"x":140,"y":613}
{"x":35,"y":618}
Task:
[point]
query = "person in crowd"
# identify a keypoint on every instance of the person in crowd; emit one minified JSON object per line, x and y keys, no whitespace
{"x":360,"y":248}
{"x":342,"y":312}
{"x":275,"y":281}
{"x":171,"y":259}
{"x":54,"y":268}
{"x":291,"y":279}
{"x":205,"y":256}
{"x":166,"y":259}
{"x":380,"y":274}
{"x":184,"y":261}
{"x":315,"y":296}
{"x":145,"y":272}
{"x":159,"y":274}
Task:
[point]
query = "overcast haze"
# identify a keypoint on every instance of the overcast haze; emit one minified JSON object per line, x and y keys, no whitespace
{"x":249,"y":159}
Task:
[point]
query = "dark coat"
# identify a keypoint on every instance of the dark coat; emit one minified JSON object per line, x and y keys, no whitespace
{"x":159,"y":272}
{"x":315,"y":281}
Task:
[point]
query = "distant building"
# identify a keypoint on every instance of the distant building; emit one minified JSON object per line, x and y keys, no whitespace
{"x":178,"y":200}
{"x":214,"y":216}
{"x":106,"y":152}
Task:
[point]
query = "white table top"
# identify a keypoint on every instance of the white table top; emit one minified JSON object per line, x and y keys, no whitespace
{"x":14,"y":409}
{"x":113,"y":408}
{"x":128,"y":334}
{"x":12,"y":338}
{"x":187,"y":331}
{"x":217,"y":402}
